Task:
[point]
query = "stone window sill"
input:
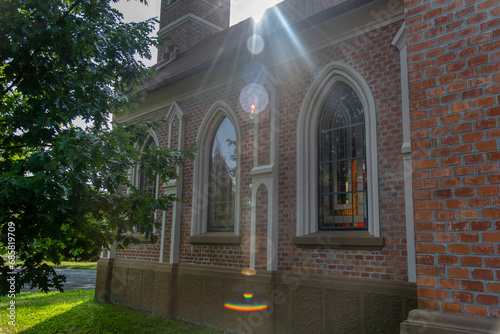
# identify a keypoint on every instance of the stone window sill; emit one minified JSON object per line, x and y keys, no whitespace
{"x":141,"y":237}
{"x":340,"y":240}
{"x":215,"y":238}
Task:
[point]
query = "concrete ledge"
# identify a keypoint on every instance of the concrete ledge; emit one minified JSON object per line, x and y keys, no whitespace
{"x":215,"y":238}
{"x":431,"y":322}
{"x":365,"y":285}
{"x":340,"y":240}
{"x":139,"y":264}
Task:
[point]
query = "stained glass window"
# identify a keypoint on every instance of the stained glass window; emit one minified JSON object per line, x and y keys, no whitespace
{"x":222,"y":179}
{"x":342,"y":162}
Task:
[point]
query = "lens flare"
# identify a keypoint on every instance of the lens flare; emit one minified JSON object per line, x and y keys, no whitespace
{"x":245,"y":307}
{"x":254,"y":99}
{"x":249,"y":272}
{"x":263,"y":248}
{"x":255,"y":44}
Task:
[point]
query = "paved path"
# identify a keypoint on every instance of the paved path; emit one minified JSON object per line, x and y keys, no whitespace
{"x":75,"y":279}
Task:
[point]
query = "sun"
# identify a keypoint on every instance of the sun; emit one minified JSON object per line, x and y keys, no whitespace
{"x":258,"y":14}
{"x":240,"y":10}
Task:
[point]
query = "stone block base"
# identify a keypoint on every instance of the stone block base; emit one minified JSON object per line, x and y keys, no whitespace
{"x":432,"y":322}
{"x":296,"y":302}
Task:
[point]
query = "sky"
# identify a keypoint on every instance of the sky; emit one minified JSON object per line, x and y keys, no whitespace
{"x":240,"y":10}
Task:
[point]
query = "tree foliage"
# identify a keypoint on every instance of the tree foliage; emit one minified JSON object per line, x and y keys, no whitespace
{"x":62,"y":187}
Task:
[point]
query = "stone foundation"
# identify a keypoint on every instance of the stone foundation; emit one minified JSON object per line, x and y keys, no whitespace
{"x":297,"y":302}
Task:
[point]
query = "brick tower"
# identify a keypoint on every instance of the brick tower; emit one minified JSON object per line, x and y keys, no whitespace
{"x":185,"y":23}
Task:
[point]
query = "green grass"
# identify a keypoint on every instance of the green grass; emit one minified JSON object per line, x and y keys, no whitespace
{"x":67,"y":264}
{"x":77,"y":312}
{"x":75,"y":265}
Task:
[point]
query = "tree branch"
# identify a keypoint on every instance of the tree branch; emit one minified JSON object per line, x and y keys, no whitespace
{"x":73,"y":6}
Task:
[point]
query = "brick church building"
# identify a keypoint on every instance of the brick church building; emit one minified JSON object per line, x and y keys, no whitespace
{"x":347,"y":178}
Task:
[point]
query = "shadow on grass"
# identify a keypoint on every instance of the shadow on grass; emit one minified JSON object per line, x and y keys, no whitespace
{"x":96,"y":318}
{"x":76,"y":312}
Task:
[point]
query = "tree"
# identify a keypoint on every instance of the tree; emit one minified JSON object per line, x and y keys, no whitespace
{"x":61,"y":185}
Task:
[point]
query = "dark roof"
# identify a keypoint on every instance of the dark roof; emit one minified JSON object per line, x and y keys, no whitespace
{"x":210,"y":50}
{"x":230,"y":42}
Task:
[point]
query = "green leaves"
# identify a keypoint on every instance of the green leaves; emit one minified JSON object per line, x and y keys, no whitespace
{"x":62,"y":186}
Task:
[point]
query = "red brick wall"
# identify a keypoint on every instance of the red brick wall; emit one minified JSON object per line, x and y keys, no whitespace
{"x":190,"y":33}
{"x":264,"y":153}
{"x":218,"y":15}
{"x":261,"y":240}
{"x":197,"y":107}
{"x":147,"y":251}
{"x":378,"y":62}
{"x":453,"y":54}
{"x":185,"y":37}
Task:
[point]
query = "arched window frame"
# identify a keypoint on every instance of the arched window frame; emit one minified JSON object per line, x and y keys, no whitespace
{"x":342,"y":191}
{"x":140,"y":174}
{"x":136,"y":171}
{"x":307,"y":151}
{"x":220,"y":180}
{"x":199,"y":224}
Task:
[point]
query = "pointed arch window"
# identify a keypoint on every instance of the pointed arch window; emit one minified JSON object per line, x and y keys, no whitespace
{"x":222,"y":179}
{"x":337,"y":171}
{"x":342,"y":184}
{"x":143,"y":182}
{"x":147,"y":184}
{"x":216,"y":183}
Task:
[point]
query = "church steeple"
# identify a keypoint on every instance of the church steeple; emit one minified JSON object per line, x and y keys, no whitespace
{"x":188,"y":22}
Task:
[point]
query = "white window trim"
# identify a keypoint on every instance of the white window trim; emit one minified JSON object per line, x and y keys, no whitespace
{"x":307,"y":146}
{"x":174,"y":187}
{"x":217,"y":112}
{"x":400,"y":42}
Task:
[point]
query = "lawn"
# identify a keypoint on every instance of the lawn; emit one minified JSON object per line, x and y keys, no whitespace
{"x":75,"y":265}
{"x":77,"y":312}
{"x":67,"y":264}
